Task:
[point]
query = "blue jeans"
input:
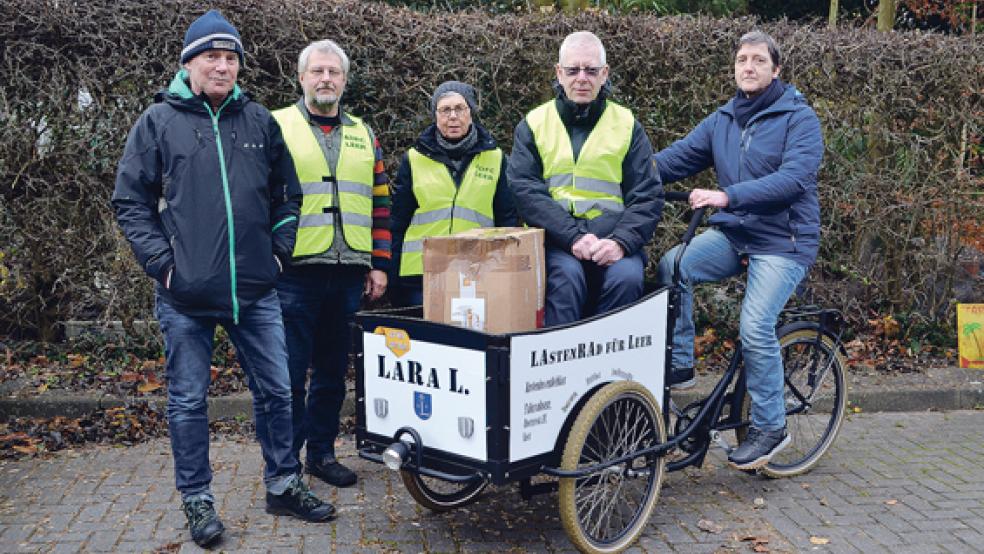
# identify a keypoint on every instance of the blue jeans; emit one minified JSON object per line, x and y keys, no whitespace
{"x":576,"y":289}
{"x":770,"y":282}
{"x":319,"y":303}
{"x":259,"y":342}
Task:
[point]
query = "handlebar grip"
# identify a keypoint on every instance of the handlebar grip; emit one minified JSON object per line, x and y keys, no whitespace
{"x":677,"y":195}
{"x":694,"y":222}
{"x":687,"y":237}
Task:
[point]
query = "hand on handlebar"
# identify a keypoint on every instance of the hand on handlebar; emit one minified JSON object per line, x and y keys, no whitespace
{"x":700,"y":198}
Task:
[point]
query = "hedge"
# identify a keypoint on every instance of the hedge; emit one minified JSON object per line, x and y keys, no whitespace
{"x":901,"y":113}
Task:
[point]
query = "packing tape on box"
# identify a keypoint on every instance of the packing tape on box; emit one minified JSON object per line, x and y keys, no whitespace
{"x":438,"y":263}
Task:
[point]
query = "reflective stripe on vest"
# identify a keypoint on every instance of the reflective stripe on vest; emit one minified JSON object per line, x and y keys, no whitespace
{"x":593,"y":184}
{"x":442,"y":207}
{"x":351,"y":184}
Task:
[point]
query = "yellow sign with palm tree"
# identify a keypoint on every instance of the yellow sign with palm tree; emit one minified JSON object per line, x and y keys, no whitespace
{"x":970,"y":335}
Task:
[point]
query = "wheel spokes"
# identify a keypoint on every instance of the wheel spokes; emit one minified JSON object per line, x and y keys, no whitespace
{"x":608,"y":502}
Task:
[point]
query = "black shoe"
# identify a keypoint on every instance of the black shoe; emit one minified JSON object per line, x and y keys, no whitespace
{"x":332,"y":472}
{"x":759,"y":447}
{"x":203,"y":522}
{"x":300,"y":502}
{"x":683,"y":378}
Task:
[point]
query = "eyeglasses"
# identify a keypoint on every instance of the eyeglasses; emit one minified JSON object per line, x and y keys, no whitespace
{"x":320,"y":72}
{"x":458,"y":110}
{"x":572,"y":71}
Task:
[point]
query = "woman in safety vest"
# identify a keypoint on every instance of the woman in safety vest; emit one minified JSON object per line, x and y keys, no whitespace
{"x":453,"y":179}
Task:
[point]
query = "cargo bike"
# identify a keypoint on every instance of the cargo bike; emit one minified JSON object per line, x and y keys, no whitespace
{"x":586,"y":405}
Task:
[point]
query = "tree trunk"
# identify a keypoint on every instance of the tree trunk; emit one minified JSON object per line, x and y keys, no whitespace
{"x":886,"y":15}
{"x":832,"y":17}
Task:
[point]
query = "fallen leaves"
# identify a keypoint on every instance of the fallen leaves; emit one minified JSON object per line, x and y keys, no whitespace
{"x":819,"y":540}
{"x":710,"y":526}
{"x":125,"y":425}
{"x":113,"y":369}
{"x":121,"y":425}
{"x":21,"y":443}
{"x":759,"y":542}
{"x":704,"y":342}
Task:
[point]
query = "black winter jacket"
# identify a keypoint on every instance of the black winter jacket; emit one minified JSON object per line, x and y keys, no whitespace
{"x":214,"y":198}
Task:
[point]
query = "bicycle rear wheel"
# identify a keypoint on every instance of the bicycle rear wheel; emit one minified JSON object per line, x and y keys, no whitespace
{"x":816,"y":398}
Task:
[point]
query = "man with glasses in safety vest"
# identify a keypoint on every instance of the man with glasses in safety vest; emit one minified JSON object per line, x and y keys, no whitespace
{"x":582,"y":169}
{"x":342,"y":252}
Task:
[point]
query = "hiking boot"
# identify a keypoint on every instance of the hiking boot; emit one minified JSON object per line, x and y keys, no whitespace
{"x":300,"y":502}
{"x":203,"y":522}
{"x":332,"y":472}
{"x":758,"y":448}
{"x":683,"y":378}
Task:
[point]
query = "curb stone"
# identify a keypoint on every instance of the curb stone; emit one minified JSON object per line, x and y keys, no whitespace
{"x":961,"y":390}
{"x":77,"y":405}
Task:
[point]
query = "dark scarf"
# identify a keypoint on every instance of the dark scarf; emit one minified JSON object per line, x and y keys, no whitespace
{"x":456,"y":150}
{"x":326,"y":120}
{"x":746,"y":107}
{"x":581,"y":115}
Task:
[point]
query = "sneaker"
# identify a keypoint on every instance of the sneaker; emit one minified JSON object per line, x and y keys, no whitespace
{"x":758,"y":448}
{"x":332,"y":472}
{"x":683,"y":378}
{"x":203,"y":522}
{"x":300,"y":502}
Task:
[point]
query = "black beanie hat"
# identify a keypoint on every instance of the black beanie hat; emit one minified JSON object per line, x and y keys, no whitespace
{"x":464,"y":89}
{"x":211,"y":32}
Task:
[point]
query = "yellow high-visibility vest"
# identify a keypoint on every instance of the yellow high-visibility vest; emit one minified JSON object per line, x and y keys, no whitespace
{"x":351,"y":183}
{"x":443,"y":208}
{"x":594,"y":183}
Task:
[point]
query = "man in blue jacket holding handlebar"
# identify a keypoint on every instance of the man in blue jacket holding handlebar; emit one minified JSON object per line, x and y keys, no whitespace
{"x":765,"y":146}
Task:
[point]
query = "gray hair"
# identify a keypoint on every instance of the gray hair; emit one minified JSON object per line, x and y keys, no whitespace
{"x":759,"y":37}
{"x":325,"y":46}
{"x":581,"y":38}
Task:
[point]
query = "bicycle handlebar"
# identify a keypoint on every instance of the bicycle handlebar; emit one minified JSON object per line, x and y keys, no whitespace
{"x":677,"y":195}
{"x":695,"y":219}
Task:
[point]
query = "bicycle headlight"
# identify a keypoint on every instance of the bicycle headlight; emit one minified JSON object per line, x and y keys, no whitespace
{"x":395,"y":454}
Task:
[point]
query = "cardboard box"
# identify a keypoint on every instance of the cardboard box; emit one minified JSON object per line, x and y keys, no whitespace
{"x":489,"y":279}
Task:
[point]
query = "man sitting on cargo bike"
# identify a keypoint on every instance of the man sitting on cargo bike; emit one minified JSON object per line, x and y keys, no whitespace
{"x":581,"y":169}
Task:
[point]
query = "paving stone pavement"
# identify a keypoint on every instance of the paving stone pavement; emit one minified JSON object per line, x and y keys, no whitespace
{"x":893,"y":482}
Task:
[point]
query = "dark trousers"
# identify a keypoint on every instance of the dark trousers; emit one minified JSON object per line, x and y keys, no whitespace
{"x":318,"y":302}
{"x":577,"y":289}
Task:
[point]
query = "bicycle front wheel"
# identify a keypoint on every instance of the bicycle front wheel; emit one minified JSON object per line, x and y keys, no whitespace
{"x":607,"y":511}
{"x":816,"y":399}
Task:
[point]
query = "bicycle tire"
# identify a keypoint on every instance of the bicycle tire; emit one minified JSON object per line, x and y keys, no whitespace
{"x":813,"y":425}
{"x":607,"y":511}
{"x":440,"y":496}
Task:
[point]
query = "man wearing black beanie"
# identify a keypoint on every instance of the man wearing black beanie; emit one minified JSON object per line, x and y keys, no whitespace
{"x":207,"y":196}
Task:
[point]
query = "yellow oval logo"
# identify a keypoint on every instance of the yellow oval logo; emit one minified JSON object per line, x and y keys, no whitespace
{"x":397,"y":340}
